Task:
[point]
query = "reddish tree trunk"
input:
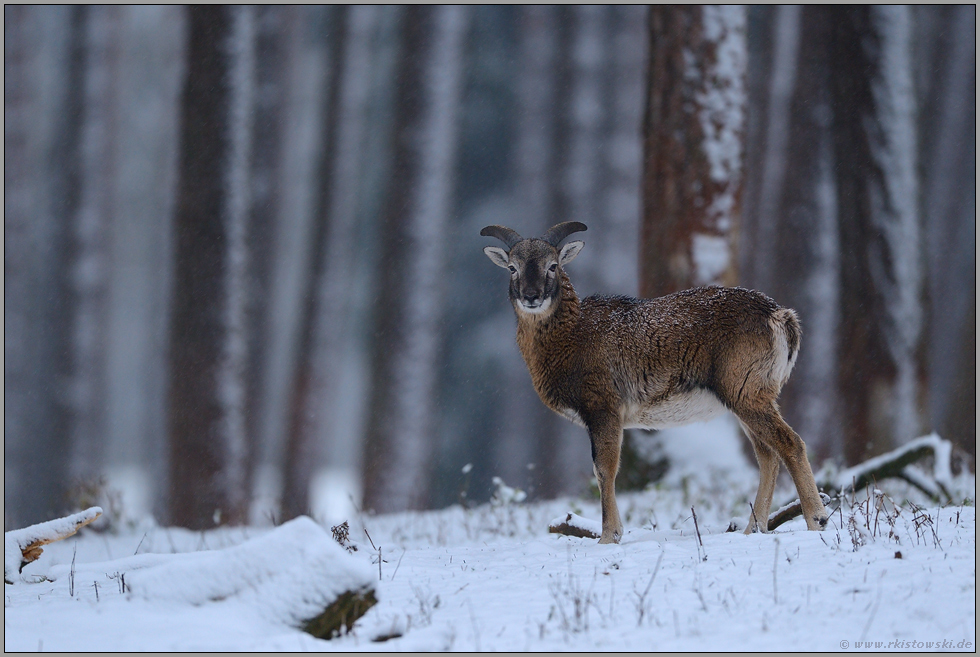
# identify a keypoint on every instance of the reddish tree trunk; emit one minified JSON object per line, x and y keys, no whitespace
{"x":694,"y":131}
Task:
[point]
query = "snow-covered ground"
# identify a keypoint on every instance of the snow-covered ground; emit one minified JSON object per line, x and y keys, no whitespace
{"x":493,"y":578}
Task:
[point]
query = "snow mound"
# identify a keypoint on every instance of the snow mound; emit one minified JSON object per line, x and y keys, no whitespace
{"x":290,"y":574}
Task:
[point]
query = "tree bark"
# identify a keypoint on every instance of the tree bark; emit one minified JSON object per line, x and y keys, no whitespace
{"x":693,"y":148}
{"x":878,"y":220}
{"x":274,"y":27}
{"x":400,"y":437}
{"x":209,"y":454}
{"x":946,"y":88}
{"x":529,"y":431}
{"x":89,"y":276}
{"x":304,"y":402}
{"x":320,"y":416}
{"x":42,"y":97}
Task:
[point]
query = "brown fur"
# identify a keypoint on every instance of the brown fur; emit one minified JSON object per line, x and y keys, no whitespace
{"x":611,"y":362}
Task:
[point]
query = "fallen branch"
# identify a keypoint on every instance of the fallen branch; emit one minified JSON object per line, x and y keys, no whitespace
{"x":897,"y":462}
{"x":574,"y":525}
{"x":780,"y":516}
{"x":23,"y":546}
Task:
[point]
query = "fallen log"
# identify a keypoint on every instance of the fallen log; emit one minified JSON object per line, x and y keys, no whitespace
{"x":23,"y":546}
{"x":898,"y":463}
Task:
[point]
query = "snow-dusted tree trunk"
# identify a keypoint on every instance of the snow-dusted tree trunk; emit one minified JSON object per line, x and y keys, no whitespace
{"x":946,"y":84}
{"x":37,"y":125}
{"x":326,"y":331}
{"x":584,"y":119}
{"x":768,"y":147}
{"x":401,"y":430}
{"x":274,"y":28}
{"x":881,"y":275}
{"x":530,"y":432}
{"x":875,"y":153}
{"x":298,"y":219}
{"x":694,"y":133}
{"x":789,"y":238}
{"x":805,"y":265}
{"x":209,"y":447}
{"x":89,"y":274}
{"x":623,"y":94}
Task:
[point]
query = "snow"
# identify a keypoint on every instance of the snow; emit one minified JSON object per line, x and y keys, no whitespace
{"x":711,"y":254}
{"x":941,"y":449}
{"x":493,"y":578}
{"x":722,"y":101}
{"x":40,"y":534}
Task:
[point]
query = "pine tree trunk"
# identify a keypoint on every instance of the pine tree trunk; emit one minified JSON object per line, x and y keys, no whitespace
{"x":400,"y":439}
{"x":319,"y":414}
{"x":40,"y":138}
{"x":623,"y":93}
{"x":274,"y":27}
{"x":529,"y":430}
{"x":305,"y":405}
{"x":89,"y":276}
{"x":693,"y":152}
{"x":806,"y":242}
{"x":946,"y":70}
{"x":789,"y":241}
{"x":875,"y":154}
{"x":209,"y":448}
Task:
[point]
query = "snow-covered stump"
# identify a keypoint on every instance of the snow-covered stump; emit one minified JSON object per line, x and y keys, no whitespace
{"x":297,"y":574}
{"x":23,"y":546}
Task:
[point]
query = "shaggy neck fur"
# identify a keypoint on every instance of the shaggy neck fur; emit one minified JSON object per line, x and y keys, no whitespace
{"x":544,"y":338}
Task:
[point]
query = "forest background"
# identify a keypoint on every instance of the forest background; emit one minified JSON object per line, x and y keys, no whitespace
{"x":242,"y":267}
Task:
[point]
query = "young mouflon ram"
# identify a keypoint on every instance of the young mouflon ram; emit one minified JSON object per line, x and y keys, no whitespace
{"x":611,"y":363}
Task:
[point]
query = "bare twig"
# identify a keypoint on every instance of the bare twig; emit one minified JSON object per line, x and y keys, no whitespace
{"x":702,"y":554}
{"x":369,"y":538}
{"x":71,"y":574}
{"x":398,"y":564}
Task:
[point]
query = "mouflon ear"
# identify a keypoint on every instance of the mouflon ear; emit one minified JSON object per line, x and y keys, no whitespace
{"x":497,"y":256}
{"x":569,"y":251}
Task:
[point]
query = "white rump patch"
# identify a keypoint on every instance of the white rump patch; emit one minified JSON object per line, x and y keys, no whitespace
{"x":783,"y":365}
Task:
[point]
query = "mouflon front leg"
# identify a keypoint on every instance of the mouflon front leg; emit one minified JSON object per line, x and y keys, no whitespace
{"x":606,"y":434}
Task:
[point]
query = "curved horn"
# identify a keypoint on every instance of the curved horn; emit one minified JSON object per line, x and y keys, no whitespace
{"x":502,"y":233}
{"x":558,"y":232}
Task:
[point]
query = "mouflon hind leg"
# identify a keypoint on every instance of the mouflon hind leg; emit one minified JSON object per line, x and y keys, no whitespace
{"x":772,"y":432}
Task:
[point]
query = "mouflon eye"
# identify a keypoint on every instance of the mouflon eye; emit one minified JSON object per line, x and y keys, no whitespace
{"x":512,"y":269}
{"x":553,"y":268}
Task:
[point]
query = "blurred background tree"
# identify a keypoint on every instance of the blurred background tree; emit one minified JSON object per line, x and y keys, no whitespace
{"x":242,"y":262}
